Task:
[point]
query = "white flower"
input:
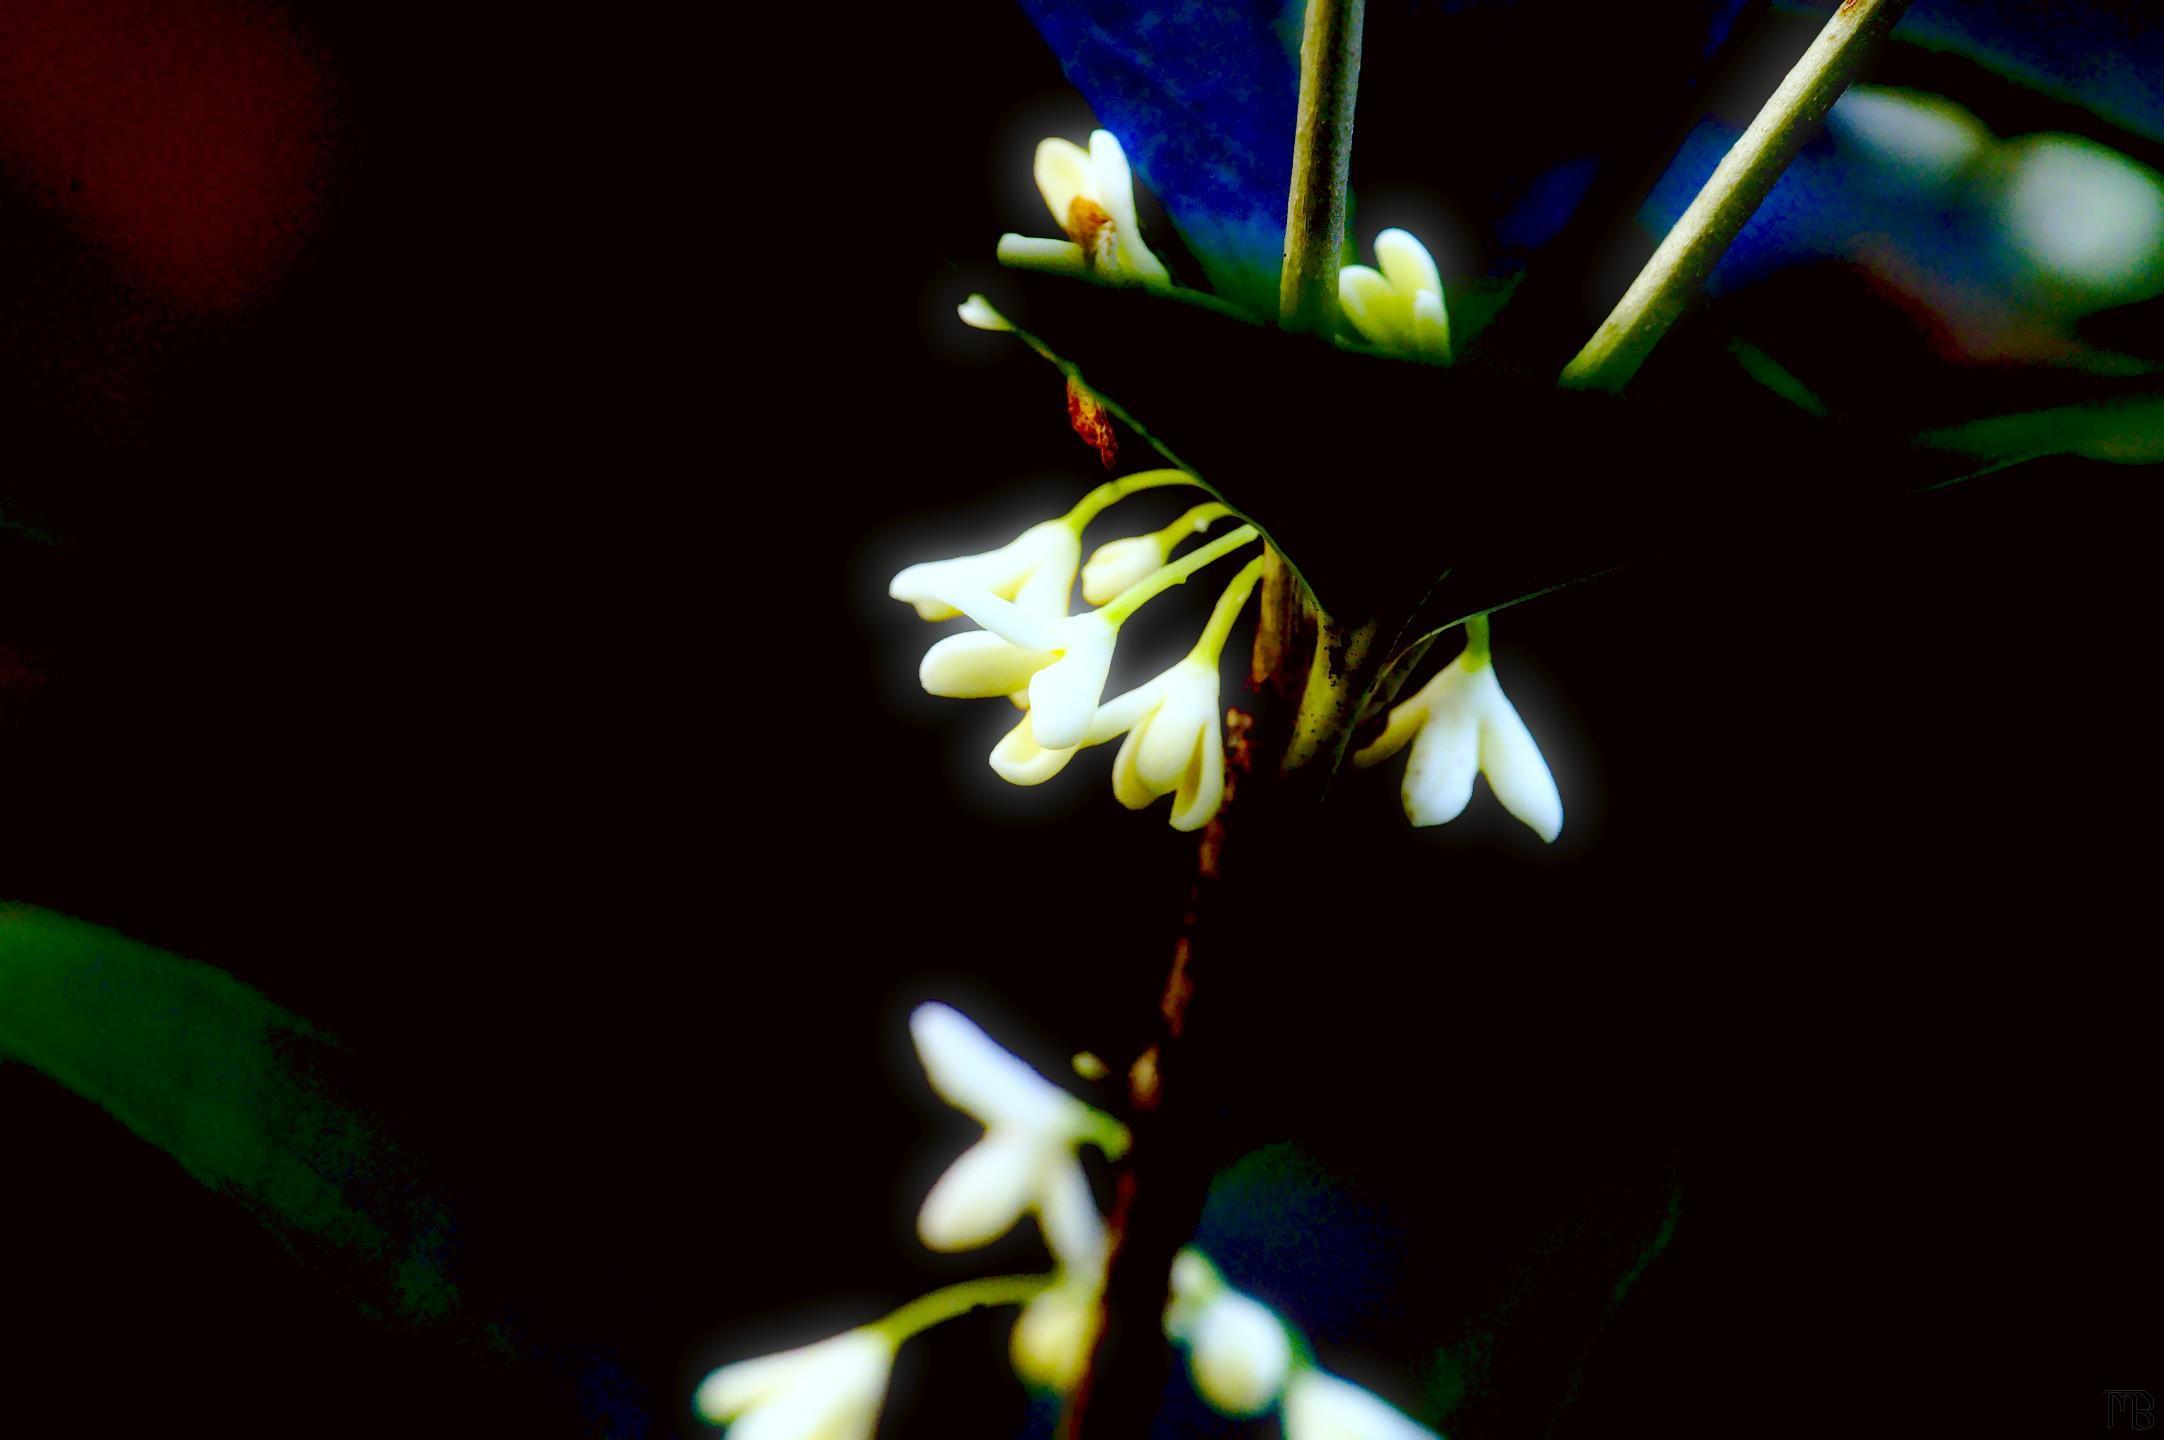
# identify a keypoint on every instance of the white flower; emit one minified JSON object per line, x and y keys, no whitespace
{"x":1174,"y":745}
{"x":1035,"y":569}
{"x":1238,"y":1354}
{"x":1118,"y":564}
{"x":1061,"y":664}
{"x":977,"y":312}
{"x":1401,"y":308}
{"x":1026,"y":1160}
{"x":1091,"y":194}
{"x":1054,"y":1334}
{"x":1320,"y":1406}
{"x":1464,"y":723}
{"x":828,"y":1391}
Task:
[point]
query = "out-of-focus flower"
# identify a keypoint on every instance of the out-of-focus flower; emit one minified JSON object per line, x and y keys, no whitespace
{"x":1238,"y":1355}
{"x":1054,"y":1334}
{"x":1919,"y":137}
{"x":1320,"y":1406}
{"x":1035,"y":570}
{"x":1461,"y":724}
{"x":1091,"y":194}
{"x":2086,"y":214}
{"x":1117,"y":564}
{"x":1027,"y":1159}
{"x":977,"y":312}
{"x":1237,"y":1350}
{"x":1400,"y":308}
{"x":827,"y":1391}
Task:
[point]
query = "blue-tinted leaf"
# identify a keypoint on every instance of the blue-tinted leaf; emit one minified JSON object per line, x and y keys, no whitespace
{"x":1201,"y":95}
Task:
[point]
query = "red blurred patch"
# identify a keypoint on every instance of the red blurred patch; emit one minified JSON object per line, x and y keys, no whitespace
{"x":1092,"y":422}
{"x":183,"y":137}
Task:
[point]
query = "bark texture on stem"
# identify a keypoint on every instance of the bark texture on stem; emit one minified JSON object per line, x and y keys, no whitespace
{"x":1738,"y":185}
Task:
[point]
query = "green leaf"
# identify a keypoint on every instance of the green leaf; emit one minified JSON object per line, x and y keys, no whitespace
{"x":245,"y":1096}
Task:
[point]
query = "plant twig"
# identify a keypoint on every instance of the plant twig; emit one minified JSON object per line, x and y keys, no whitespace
{"x":1739,"y":184}
{"x":1321,"y":156}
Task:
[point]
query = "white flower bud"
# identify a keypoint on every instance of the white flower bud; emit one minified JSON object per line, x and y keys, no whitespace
{"x":1118,"y":564}
{"x":1238,"y":1355}
{"x":1053,"y":1335}
{"x":828,"y":1391}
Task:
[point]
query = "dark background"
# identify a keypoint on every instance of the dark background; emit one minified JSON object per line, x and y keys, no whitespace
{"x":480,"y":646}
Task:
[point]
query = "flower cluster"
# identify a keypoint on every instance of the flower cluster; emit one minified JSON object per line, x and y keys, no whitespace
{"x":1054,"y":665}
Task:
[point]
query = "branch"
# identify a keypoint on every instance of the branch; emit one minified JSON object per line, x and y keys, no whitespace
{"x":1321,"y":156}
{"x":1739,"y":184}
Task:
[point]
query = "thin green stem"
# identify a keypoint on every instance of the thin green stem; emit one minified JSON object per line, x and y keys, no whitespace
{"x":1229,"y":606}
{"x":1193,"y":522}
{"x":1321,"y":158}
{"x":953,"y":1301}
{"x":1113,"y":491}
{"x":1476,"y":639}
{"x":1738,"y":185}
{"x":1135,"y":596}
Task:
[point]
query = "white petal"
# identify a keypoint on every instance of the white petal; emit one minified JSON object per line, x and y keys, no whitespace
{"x":1119,"y":564}
{"x":917,"y":583}
{"x":983,"y":1193}
{"x":837,"y":1397}
{"x":977,"y":312}
{"x":1073,"y":1230}
{"x":1516,"y":771}
{"x":1027,"y":252}
{"x":1064,"y":172}
{"x":1431,"y":327}
{"x":1116,"y":192}
{"x":1063,"y":696}
{"x":1124,"y":711}
{"x":1239,"y":1355}
{"x":1011,"y":622}
{"x":1320,"y":1406}
{"x":1439,"y":777}
{"x":1054,"y":551}
{"x":1019,"y":760}
{"x":1053,"y":1336}
{"x":733,"y":1389}
{"x":978,"y":665}
{"x":1175,"y":733}
{"x":972,"y":1073}
{"x":1127,"y":787}
{"x":1202,"y":790}
{"x":1406,"y":264}
{"x":1376,"y":311}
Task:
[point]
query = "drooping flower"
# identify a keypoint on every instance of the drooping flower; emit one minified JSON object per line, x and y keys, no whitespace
{"x":1461,"y":724}
{"x":1117,"y":564}
{"x":1035,"y":570}
{"x":1238,"y":1352}
{"x":1399,"y":308}
{"x":830,"y":1390}
{"x":1091,"y":194}
{"x":1320,"y":1406}
{"x":1175,"y":744}
{"x":1027,"y":1159}
{"x":1061,"y":663}
{"x":1054,"y":1333}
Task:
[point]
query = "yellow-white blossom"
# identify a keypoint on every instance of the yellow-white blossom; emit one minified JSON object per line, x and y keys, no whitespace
{"x":1461,"y":724}
{"x":1091,"y":194}
{"x":828,"y":1391}
{"x":1061,"y":663}
{"x":1117,"y":564}
{"x":1054,"y":1334}
{"x":1175,"y":741}
{"x":1400,"y":308}
{"x":1026,"y":1161}
{"x":1320,"y":1406}
{"x":1238,"y":1352}
{"x":1035,"y":570}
